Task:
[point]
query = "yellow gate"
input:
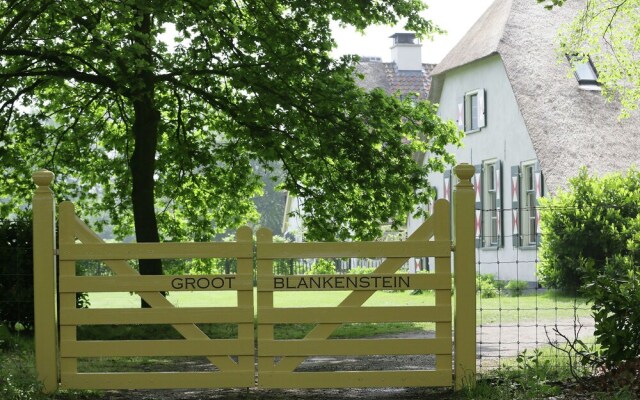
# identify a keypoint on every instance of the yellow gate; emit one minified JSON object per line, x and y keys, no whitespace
{"x":277,"y":359}
{"x":57,"y":358}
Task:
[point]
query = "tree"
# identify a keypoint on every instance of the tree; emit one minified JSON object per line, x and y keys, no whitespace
{"x":608,"y":32}
{"x":160,"y":133}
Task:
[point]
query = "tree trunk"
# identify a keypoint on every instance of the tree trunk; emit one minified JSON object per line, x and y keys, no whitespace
{"x":143,"y":160}
{"x":142,"y":165}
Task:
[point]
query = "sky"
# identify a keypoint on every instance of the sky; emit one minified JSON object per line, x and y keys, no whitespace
{"x":454,"y":16}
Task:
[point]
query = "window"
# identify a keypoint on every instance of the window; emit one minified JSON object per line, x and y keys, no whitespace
{"x":471,"y":111}
{"x":526,"y":190}
{"x":584,"y":71}
{"x":490,"y":206}
{"x":528,"y":210}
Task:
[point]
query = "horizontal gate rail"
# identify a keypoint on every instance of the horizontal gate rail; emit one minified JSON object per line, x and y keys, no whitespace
{"x":355,"y":379}
{"x":278,"y":359}
{"x":156,"y":380}
{"x":149,"y":283}
{"x":142,"y":251}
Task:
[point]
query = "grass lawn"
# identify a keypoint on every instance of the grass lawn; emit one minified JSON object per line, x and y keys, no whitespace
{"x":541,"y":306}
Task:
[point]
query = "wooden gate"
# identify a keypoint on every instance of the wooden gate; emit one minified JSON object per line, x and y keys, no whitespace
{"x":233,"y":359}
{"x":291,"y":353}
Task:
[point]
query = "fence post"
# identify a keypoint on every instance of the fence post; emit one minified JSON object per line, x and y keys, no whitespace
{"x":465,"y":278}
{"x":44,"y":282}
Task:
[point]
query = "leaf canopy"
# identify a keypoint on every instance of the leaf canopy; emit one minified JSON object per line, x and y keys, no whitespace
{"x":234,"y":82}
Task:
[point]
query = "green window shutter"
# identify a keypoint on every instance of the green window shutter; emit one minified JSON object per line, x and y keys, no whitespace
{"x":482,"y":108}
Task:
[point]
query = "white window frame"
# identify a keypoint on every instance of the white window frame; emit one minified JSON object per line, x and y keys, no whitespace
{"x":490,"y":236}
{"x":585,"y":72}
{"x":528,"y":228}
{"x":474,"y":117}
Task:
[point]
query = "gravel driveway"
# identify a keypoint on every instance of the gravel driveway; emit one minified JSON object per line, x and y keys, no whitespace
{"x":494,"y":343}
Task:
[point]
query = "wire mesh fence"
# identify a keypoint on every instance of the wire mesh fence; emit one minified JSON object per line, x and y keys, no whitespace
{"x":516,"y":314}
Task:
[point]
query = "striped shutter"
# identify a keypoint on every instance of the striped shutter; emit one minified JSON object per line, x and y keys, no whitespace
{"x":539,"y":182}
{"x":482,"y":109}
{"x":515,"y":205}
{"x":498,"y":171}
{"x":460,"y":119}
{"x":434,"y":198}
{"x":477,"y":183}
{"x":447,"y":185}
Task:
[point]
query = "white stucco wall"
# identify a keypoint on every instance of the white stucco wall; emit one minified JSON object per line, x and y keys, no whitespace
{"x":504,"y":138}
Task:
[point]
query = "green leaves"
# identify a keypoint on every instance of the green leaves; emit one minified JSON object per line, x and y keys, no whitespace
{"x":608,"y":31}
{"x":245,"y":85}
{"x":596,"y":220}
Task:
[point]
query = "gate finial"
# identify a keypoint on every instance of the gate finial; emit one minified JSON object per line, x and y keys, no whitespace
{"x":42,"y":178}
{"x":464,"y":172}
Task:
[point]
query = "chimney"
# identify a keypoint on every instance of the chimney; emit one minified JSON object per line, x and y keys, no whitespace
{"x":405,"y":52}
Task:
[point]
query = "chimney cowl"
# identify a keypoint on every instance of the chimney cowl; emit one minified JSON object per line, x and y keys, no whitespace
{"x":405,"y":52}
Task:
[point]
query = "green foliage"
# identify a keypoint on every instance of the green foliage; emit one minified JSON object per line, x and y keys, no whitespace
{"x":615,"y":295}
{"x":18,"y":379}
{"x":530,"y":376}
{"x":362,"y":270}
{"x":322,"y":267}
{"x":585,"y":226}
{"x":592,"y":244}
{"x":607,"y":32}
{"x":171,"y":105}
{"x":486,"y":286}
{"x":516,"y":287}
{"x":16,"y":273}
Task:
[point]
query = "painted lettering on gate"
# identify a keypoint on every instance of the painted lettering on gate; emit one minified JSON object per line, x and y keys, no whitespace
{"x":346,"y":282}
{"x":203,"y":283}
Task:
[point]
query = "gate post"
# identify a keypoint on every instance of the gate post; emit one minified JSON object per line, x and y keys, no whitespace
{"x":44,"y":282}
{"x":465,"y":278}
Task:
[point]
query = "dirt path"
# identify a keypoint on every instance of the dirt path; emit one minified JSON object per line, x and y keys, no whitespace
{"x":495,"y":343}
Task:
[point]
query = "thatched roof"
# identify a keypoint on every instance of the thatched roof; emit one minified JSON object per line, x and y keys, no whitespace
{"x":387,"y":76}
{"x":569,"y":127}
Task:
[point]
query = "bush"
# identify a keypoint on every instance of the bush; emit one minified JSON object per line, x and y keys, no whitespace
{"x":362,"y":270}
{"x":486,"y":286}
{"x":16,"y":273}
{"x":585,"y":226}
{"x":615,"y":296}
{"x":322,"y":267}
{"x":517,"y":288}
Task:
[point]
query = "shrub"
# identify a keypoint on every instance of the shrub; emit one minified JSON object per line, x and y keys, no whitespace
{"x":615,"y":295}
{"x":517,"y":288}
{"x":585,"y":226}
{"x":486,"y":286}
{"x":16,"y":273}
{"x":322,"y":267}
{"x":362,"y":270}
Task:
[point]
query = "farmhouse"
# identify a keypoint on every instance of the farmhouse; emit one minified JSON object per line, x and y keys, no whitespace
{"x":531,"y":121}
